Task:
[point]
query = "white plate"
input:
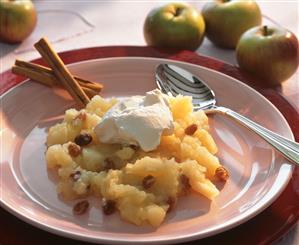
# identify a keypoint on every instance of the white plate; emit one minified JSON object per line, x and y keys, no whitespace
{"x":258,"y":173}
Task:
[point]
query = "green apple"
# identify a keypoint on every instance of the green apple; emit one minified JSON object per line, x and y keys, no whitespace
{"x":227,"y":20}
{"x":175,"y":25}
{"x":17,"y":20}
{"x":269,"y":53}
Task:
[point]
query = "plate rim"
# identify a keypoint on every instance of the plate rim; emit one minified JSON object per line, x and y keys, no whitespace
{"x":189,"y":237}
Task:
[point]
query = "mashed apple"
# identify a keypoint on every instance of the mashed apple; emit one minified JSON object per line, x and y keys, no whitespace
{"x":142,"y":185}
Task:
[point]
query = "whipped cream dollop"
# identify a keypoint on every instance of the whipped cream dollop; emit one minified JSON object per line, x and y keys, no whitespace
{"x":138,"y":120}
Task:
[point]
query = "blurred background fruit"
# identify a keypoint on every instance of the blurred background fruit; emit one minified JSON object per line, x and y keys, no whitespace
{"x":270,"y":53}
{"x":17,"y":20}
{"x":174,"y":25}
{"x":227,"y":20}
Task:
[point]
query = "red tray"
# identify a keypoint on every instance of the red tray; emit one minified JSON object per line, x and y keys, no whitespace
{"x":265,"y":228}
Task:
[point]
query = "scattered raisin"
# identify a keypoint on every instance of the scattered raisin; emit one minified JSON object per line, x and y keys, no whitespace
{"x":81,"y":207}
{"x":81,"y":116}
{"x":171,"y":201}
{"x":222,"y":174}
{"x":76,"y":175}
{"x":185,"y":183}
{"x":74,"y":150}
{"x":148,"y":181}
{"x":108,"y":164}
{"x":83,"y":139}
{"x":191,"y":129}
{"x":79,"y":119}
{"x":109,"y":206}
{"x":178,"y":159}
{"x":134,"y":147}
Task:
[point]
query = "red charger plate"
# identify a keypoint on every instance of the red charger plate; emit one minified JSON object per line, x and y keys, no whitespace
{"x":265,"y":228}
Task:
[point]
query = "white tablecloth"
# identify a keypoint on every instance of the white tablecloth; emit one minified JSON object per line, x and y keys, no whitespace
{"x":105,"y":23}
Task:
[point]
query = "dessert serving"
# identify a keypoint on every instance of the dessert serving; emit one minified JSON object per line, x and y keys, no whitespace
{"x":138,"y":155}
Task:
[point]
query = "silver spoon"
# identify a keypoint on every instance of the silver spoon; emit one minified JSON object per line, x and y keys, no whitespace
{"x":176,"y":80}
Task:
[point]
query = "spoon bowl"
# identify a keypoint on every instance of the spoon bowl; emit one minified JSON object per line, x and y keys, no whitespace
{"x":173,"y":79}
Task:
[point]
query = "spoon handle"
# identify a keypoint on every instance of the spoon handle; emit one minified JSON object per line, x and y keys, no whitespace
{"x":285,"y":146}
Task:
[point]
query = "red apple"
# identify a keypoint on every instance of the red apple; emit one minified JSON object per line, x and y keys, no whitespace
{"x":269,"y":53}
{"x":174,"y":25}
{"x":17,"y":20}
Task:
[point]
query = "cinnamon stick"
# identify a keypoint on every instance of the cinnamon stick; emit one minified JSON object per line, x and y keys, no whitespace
{"x":47,"y":79}
{"x":45,"y":76}
{"x":60,"y":71}
{"x":42,"y":72}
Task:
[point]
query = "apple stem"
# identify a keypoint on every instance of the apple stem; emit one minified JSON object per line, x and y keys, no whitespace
{"x":178,"y":11}
{"x":265,"y":30}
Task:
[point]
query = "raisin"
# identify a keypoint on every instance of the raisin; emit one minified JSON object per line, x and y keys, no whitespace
{"x":191,"y":129}
{"x":76,"y":175}
{"x":74,"y":150}
{"x":171,"y":201}
{"x":81,"y":207}
{"x":134,"y":147}
{"x":185,"y":183}
{"x":222,"y":174}
{"x":178,"y":159}
{"x":83,"y":139}
{"x":108,"y":206}
{"x":148,"y":181}
{"x":81,"y":116}
{"x":108,"y":164}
